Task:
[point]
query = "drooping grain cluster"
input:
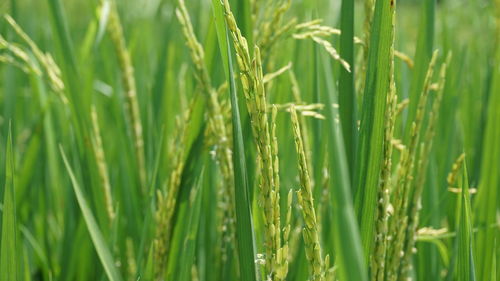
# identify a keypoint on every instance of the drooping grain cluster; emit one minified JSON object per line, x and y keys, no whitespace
{"x":223,"y":150}
{"x":101,"y":164}
{"x":28,"y":63}
{"x":306,"y":201}
{"x":168,"y":195}
{"x":253,"y":87}
{"x":378,"y":262}
{"x":115,"y":30}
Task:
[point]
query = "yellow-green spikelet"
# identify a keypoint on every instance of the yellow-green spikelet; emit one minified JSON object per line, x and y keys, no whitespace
{"x":310,"y":231}
{"x":253,"y":87}
{"x":127,"y":72}
{"x":399,"y":221}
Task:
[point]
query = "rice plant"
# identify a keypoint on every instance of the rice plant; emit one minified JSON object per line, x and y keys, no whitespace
{"x":250,"y":140}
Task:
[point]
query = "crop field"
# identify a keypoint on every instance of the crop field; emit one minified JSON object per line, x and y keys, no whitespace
{"x":252,"y":140}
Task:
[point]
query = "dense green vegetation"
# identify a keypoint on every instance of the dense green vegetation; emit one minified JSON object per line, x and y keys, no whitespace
{"x":249,"y":140}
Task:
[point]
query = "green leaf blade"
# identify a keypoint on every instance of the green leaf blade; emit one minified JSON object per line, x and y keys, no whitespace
{"x":370,"y":146}
{"x":346,"y":236}
{"x":244,"y":224}
{"x":466,"y":268}
{"x":347,"y":93}
{"x":9,"y":252}
{"x":220,"y":26}
{"x":486,"y":203}
{"x":98,"y":240}
{"x":188,"y":253}
{"x":423,"y":55}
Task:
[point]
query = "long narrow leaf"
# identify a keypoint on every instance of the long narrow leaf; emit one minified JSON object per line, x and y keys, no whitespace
{"x":190,"y":175}
{"x":244,"y":225}
{"x":61,"y":26}
{"x":347,"y":242}
{"x":9,"y":252}
{"x":486,"y":203}
{"x":95,"y":233}
{"x":466,"y":270}
{"x":423,"y":56}
{"x":370,"y":146}
{"x":187,"y":257}
{"x":220,"y":26}
{"x":347,"y":94}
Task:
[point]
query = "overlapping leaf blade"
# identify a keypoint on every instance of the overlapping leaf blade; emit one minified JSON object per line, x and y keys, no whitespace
{"x":370,"y":146}
{"x":9,"y":249}
{"x":244,"y":224}
{"x":347,"y":92}
{"x":486,"y":204}
{"x":100,"y":244}
{"x":423,"y":54}
{"x":346,"y":236}
{"x":466,"y":269}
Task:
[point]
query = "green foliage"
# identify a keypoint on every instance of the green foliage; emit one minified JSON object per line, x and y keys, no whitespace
{"x":423,"y":54}
{"x":180,"y":158}
{"x":346,"y":235}
{"x":9,"y":256}
{"x":93,"y":228}
{"x":347,"y":91}
{"x":466,"y":269}
{"x":371,"y":135}
{"x":244,"y":224}
{"x":486,"y":204}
